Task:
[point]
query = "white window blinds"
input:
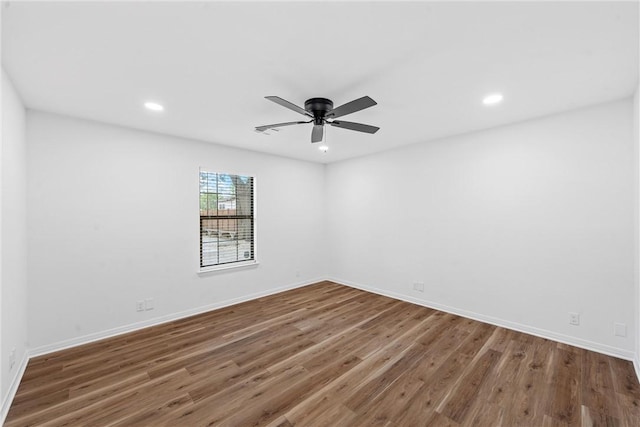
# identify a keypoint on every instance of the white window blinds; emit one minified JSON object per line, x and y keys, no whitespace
{"x":226,"y":219}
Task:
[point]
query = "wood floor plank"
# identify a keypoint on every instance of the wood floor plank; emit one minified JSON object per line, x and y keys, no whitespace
{"x":528,"y":397}
{"x":34,"y":418}
{"x":387,"y":406}
{"x":565,"y":406}
{"x":250,"y":395}
{"x":514,"y":361}
{"x":488,"y":414}
{"x":324,"y":412}
{"x":326,"y":355}
{"x":599,"y":404}
{"x":131,"y":400}
{"x":460,"y":400}
{"x":423,"y":405}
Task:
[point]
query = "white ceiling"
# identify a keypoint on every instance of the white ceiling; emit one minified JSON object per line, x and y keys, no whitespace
{"x":427,"y":64}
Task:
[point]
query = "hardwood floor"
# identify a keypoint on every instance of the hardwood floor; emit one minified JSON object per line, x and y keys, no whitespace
{"x":326,"y":355}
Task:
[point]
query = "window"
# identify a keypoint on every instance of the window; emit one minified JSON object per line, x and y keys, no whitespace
{"x":226,"y":219}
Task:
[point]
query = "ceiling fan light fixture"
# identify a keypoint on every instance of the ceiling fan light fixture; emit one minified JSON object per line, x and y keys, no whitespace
{"x":492,"y":99}
{"x":153,"y":106}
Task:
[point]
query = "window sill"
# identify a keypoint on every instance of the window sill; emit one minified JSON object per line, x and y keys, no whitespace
{"x":224,"y":267}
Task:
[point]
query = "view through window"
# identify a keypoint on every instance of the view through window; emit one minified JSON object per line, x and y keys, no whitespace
{"x":226,"y":219}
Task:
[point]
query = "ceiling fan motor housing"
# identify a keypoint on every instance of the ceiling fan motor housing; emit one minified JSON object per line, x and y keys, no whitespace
{"x":318,"y":107}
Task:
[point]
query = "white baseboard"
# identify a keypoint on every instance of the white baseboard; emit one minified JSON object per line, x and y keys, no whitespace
{"x":85,"y":339}
{"x":13,"y":387}
{"x":636,"y":365}
{"x":543,"y":333}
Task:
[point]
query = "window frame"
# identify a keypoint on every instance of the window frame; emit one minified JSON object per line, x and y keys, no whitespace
{"x":233,"y":264}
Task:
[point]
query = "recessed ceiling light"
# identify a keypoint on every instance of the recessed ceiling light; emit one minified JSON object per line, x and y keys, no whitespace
{"x":323,"y":148}
{"x":153,"y":106}
{"x":494,"y":98}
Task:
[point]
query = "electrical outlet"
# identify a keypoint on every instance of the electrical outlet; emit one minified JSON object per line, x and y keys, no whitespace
{"x":620,"y":329}
{"x":418,"y":286}
{"x":148,"y":304}
{"x":12,"y":358}
{"x":574,"y":319}
{"x":139,"y":305}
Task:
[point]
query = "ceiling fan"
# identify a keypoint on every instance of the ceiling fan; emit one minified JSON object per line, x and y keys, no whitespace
{"x":321,"y":112}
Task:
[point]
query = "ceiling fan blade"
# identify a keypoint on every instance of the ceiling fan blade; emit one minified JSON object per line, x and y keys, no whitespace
{"x":316,"y":133}
{"x":351,"y":107}
{"x":288,"y":105}
{"x":354,"y":126}
{"x":277,"y":125}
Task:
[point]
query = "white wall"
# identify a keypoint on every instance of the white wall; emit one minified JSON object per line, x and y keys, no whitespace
{"x":13,"y":249}
{"x":517,"y":225}
{"x":113,"y":218}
